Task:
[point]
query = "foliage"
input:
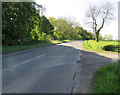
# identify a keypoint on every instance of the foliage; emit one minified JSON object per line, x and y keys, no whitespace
{"x":107,"y":79}
{"x":114,"y":48}
{"x":109,"y":48}
{"x":21,"y":24}
{"x":65,"y":29}
{"x":17,"y":22}
{"x":7,"y":49}
{"x":45,"y":25}
{"x":98,"y":46}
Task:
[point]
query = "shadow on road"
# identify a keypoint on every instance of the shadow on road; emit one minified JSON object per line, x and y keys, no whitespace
{"x":89,"y":63}
{"x":53,"y":72}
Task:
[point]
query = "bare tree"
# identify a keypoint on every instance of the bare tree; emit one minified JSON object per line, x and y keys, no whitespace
{"x":97,"y":16}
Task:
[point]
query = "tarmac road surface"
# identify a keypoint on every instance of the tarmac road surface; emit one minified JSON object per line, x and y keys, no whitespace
{"x":48,"y":69}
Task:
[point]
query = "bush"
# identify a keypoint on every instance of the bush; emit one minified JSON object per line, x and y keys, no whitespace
{"x":102,"y":46}
{"x":109,"y":48}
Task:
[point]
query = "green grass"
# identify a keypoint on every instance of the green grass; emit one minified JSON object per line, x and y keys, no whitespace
{"x":98,"y":46}
{"x":107,"y":79}
{"x":7,"y":49}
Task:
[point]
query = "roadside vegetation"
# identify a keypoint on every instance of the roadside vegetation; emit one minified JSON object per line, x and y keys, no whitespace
{"x":7,"y":49}
{"x":24,"y":26}
{"x":102,"y":46}
{"x":108,"y":79}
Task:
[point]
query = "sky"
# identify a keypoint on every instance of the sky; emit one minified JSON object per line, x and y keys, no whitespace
{"x":76,"y":9}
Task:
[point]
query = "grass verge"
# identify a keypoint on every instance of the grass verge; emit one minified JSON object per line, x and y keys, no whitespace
{"x":8,"y":49}
{"x":98,"y":46}
{"x":107,"y":79}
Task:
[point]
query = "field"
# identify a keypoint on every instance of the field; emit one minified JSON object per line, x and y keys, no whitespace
{"x":107,"y":79}
{"x":101,"y":46}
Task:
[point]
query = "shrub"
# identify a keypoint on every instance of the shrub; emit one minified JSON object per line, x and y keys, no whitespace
{"x":109,"y":48}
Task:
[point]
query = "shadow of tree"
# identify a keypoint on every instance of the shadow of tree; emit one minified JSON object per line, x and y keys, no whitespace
{"x":55,"y":55}
{"x":90,"y":62}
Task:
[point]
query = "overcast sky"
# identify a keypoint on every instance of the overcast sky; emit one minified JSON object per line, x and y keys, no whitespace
{"x":77,"y":9}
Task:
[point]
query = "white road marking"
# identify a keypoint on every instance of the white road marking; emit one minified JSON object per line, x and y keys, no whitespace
{"x":30,"y":60}
{"x":39,"y":56}
{"x":6,"y":69}
{"x":24,"y":62}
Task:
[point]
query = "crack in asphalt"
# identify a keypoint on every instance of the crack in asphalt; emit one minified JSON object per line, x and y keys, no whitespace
{"x":74,"y":77}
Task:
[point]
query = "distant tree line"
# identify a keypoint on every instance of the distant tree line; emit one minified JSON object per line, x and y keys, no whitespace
{"x":22,"y":24}
{"x":65,"y":29}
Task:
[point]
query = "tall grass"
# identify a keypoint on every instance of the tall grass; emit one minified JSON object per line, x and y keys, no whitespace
{"x":107,"y":79}
{"x":7,"y":49}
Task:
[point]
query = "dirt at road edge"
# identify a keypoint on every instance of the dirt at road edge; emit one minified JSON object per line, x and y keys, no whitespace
{"x":89,"y":63}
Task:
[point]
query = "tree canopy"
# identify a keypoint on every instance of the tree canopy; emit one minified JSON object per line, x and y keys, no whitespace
{"x":67,"y":30}
{"x":23,"y":23}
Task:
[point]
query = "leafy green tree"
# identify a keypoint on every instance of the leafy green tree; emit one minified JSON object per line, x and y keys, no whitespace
{"x":17,"y":22}
{"x":22,"y":23}
{"x":80,"y":37}
{"x":46,"y":26}
{"x":66,"y":29}
{"x":62,"y":28}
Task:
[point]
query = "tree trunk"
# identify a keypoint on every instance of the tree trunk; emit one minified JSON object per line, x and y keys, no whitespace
{"x":97,"y":36}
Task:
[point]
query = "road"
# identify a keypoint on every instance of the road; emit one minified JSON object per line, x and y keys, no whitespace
{"x":48,"y":69}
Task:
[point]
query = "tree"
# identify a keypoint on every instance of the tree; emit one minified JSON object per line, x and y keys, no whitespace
{"x":68,"y":29}
{"x":17,"y":22}
{"x":45,"y":25}
{"x":98,"y":16}
{"x":62,"y":28}
{"x":22,"y":23}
